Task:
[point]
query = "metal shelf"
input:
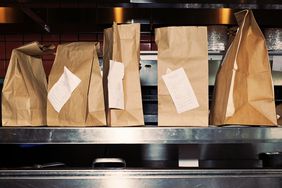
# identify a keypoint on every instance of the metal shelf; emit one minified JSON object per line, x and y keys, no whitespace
{"x":139,"y":135}
{"x":259,"y":178}
{"x":191,"y":4}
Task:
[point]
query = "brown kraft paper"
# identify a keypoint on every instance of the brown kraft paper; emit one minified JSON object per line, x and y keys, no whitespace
{"x":25,"y":88}
{"x":122,"y":44}
{"x":279,"y":114}
{"x":85,"y":107}
{"x":187,"y":48}
{"x":244,"y":91}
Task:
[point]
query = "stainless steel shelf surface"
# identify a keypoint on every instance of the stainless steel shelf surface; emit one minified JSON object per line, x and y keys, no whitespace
{"x":139,"y":135}
{"x":259,"y":178}
{"x":236,"y":4}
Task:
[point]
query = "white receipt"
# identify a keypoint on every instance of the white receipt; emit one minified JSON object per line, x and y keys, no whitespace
{"x":61,"y":91}
{"x":277,"y":63}
{"x":180,"y":90}
{"x":115,"y":85}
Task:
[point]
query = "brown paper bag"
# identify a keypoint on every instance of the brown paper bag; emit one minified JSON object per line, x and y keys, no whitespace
{"x":84,"y":106}
{"x":122,"y":44}
{"x":25,"y":88}
{"x":279,"y":114}
{"x":183,"y":48}
{"x":244,"y":89}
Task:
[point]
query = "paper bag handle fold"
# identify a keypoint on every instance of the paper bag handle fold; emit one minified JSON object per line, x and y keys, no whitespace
{"x":35,"y":49}
{"x":241,"y":16}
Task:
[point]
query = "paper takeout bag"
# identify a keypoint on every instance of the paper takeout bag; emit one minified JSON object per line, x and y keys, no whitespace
{"x":244,"y":89}
{"x":182,"y":76}
{"x":279,"y":114}
{"x":75,"y":87}
{"x":25,"y":88}
{"x":122,"y":49}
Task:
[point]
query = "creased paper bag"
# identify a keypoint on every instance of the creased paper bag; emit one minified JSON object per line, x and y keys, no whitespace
{"x":182,"y":76}
{"x":25,"y":88}
{"x":244,"y":89}
{"x":279,"y":114}
{"x":75,"y":87}
{"x":122,"y":46}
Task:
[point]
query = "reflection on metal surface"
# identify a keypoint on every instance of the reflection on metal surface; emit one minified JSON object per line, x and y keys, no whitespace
{"x":160,"y":155}
{"x":258,"y":178}
{"x":141,"y":1}
{"x":215,"y":59}
{"x":277,"y":78}
{"x":148,"y":72}
{"x":229,"y":156}
{"x":118,"y":15}
{"x":273,"y":38}
{"x":119,"y":182}
{"x":217,"y":38}
{"x":149,"y":69}
{"x":148,"y":118}
{"x":109,"y":163}
{"x":213,"y":67}
{"x":189,"y":163}
{"x":208,"y":4}
{"x":139,"y":135}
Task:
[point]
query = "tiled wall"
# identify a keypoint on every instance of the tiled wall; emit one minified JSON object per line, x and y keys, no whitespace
{"x":10,"y":41}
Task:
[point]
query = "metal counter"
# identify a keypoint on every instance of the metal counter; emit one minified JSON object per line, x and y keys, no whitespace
{"x":139,"y":135}
{"x":187,"y":178}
